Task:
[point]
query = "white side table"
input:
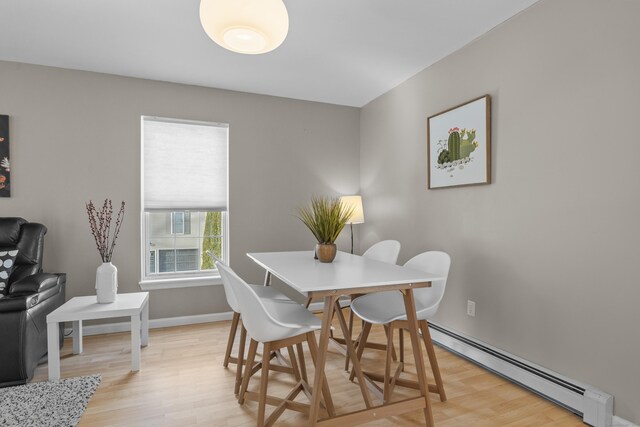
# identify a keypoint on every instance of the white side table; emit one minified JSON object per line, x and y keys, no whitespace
{"x":135,"y":305}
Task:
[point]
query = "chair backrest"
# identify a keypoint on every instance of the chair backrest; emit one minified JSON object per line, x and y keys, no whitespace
{"x":28,"y":239}
{"x":256,"y":318}
{"x":385,"y":251}
{"x":435,"y":262}
{"x":229,"y":292}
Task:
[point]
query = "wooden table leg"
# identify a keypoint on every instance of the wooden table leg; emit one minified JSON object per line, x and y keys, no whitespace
{"x":352,"y":353}
{"x":327,"y":315}
{"x":410,"y":307}
{"x":326,"y":393}
{"x":426,"y":336}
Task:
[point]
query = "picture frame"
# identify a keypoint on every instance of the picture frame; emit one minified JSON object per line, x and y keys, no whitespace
{"x":5,"y":170}
{"x":459,"y":145}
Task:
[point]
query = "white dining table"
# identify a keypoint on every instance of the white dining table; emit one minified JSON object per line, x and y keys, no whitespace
{"x":349,"y":275}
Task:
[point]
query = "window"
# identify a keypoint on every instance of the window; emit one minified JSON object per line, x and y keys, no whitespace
{"x":177,"y":222}
{"x":184,"y":191}
{"x":180,"y":242}
{"x":152,"y":262}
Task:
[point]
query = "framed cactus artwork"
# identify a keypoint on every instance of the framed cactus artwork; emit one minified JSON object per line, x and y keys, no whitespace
{"x":459,"y":145}
{"x":5,"y":170}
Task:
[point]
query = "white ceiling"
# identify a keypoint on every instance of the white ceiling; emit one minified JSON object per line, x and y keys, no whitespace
{"x":344,"y":52}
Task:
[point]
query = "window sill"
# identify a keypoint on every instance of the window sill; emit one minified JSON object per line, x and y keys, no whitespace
{"x":179,"y":282}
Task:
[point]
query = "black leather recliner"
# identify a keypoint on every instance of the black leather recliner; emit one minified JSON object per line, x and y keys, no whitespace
{"x":26,"y":301}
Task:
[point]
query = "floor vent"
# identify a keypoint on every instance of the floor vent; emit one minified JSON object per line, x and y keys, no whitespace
{"x":593,"y":405}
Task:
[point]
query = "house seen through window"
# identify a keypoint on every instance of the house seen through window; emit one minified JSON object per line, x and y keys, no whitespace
{"x":185,"y":197}
{"x":181,"y":241}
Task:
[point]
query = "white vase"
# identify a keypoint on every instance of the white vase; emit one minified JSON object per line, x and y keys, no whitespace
{"x":106,"y":283}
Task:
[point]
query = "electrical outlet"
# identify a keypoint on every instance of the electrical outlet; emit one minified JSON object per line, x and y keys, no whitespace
{"x":471,"y":308}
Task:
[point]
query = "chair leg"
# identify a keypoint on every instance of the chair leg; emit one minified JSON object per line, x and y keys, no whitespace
{"x":361,"y":345}
{"x":355,"y":345}
{"x":351,"y":316}
{"x":303,"y":366}
{"x":253,"y":347}
{"x":294,"y":363}
{"x":401,"y":338}
{"x":264,"y":381}
{"x":387,"y":365}
{"x":232,"y":337}
{"x":243,"y":338}
{"x":346,"y":359}
{"x":393,"y":349}
{"x":426,"y":337}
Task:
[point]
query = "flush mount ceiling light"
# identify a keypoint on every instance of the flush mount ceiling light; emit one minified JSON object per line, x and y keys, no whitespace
{"x":245,"y":26}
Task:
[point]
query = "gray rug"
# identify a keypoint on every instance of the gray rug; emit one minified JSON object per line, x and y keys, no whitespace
{"x":47,"y":404}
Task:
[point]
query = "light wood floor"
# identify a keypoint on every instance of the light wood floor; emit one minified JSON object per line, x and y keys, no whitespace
{"x":183,"y":383}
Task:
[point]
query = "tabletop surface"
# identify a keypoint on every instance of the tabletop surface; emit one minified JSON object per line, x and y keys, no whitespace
{"x":305,"y":274}
{"x":82,"y":308}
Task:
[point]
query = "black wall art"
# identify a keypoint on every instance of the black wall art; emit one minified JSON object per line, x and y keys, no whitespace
{"x":5,"y":166}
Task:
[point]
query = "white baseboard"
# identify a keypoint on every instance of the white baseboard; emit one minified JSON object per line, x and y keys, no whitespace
{"x":595,"y":406}
{"x":621,"y":422}
{"x":109,"y":328}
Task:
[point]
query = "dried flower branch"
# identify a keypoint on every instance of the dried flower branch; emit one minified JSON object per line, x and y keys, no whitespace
{"x":116,"y":230}
{"x":100,"y":224}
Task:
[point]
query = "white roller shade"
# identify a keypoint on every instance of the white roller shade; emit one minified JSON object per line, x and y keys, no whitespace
{"x":184,"y":165}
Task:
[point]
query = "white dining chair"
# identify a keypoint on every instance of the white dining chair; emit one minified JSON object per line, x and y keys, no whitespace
{"x":383,"y":251}
{"x":387,"y":308}
{"x":276,"y":324}
{"x":266,"y":292}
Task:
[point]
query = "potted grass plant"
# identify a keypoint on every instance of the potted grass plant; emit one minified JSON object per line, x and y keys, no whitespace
{"x":325,"y":217}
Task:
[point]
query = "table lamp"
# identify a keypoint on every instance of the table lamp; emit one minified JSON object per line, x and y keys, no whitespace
{"x":357,"y":217}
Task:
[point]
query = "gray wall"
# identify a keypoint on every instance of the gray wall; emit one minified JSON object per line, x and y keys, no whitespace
{"x":549,"y":251}
{"x":75,"y":136}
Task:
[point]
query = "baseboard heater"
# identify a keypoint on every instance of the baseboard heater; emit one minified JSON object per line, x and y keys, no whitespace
{"x":595,"y":406}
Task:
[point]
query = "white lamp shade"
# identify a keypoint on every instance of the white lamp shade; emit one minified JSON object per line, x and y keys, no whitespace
{"x":357,"y":217}
{"x":245,"y":26}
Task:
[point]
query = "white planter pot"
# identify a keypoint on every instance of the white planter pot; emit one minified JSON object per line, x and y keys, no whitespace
{"x":106,"y":283}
